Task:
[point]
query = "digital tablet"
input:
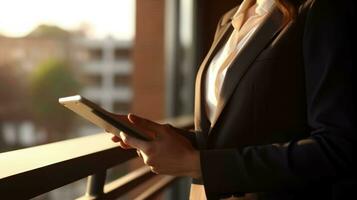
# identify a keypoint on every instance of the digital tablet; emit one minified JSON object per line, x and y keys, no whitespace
{"x":100,"y":117}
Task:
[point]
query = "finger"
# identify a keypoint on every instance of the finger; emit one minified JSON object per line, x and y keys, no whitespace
{"x":125,"y":119}
{"x":124,"y":146}
{"x":121,"y":117}
{"x":153,"y":170}
{"x":144,"y":123}
{"x":133,"y":142}
{"x":146,"y":126}
{"x":139,"y":153}
{"x":116,"y":139}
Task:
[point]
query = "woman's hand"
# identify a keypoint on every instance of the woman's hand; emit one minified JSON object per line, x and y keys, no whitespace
{"x":168,"y":152}
{"x":116,"y":138}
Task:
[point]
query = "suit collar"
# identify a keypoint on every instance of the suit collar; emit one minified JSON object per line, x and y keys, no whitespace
{"x":228,"y":17}
{"x":269,"y":28}
{"x":201,"y":120}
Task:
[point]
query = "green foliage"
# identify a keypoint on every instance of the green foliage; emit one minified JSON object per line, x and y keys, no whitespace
{"x":49,"y":31}
{"x":51,"y":80}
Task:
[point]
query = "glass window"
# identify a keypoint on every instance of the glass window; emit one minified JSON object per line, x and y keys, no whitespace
{"x":122,"y":80}
{"x":121,"y":53}
{"x":95,"y":54}
{"x":94,"y":80}
{"x":50,"y":49}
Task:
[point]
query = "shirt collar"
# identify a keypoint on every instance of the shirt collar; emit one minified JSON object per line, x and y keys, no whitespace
{"x":263,"y":7}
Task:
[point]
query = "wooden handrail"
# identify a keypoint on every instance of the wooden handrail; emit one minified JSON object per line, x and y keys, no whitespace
{"x":125,"y":184}
{"x":37,"y":170}
{"x":29,"y":172}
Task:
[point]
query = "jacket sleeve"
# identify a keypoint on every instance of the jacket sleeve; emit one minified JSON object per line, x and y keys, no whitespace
{"x":190,"y":135}
{"x":328,"y":153}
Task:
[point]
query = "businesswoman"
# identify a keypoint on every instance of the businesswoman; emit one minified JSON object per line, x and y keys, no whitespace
{"x":274,"y":107}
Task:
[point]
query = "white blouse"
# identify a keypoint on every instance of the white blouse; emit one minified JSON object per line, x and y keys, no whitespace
{"x":223,"y":59}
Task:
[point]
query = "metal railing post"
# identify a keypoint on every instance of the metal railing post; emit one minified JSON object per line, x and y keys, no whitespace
{"x":95,"y":184}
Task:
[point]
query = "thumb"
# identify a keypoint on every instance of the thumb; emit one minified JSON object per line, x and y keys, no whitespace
{"x":143,"y":123}
{"x":120,"y":117}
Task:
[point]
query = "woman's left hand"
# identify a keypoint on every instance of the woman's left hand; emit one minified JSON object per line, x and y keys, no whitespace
{"x":168,"y":153}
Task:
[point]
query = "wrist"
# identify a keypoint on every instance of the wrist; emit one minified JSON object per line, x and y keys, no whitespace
{"x":195,"y":167}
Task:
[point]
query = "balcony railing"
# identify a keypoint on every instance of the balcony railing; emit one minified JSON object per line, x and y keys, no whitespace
{"x":30,"y":172}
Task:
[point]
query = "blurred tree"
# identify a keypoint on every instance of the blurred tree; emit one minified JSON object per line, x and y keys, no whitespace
{"x":51,"y":80}
{"x":45,"y":30}
{"x":56,"y":32}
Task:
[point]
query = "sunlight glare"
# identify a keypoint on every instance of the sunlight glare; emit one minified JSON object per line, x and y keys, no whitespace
{"x":105,"y":17}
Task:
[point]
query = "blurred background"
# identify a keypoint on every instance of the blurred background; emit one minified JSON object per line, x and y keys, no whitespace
{"x":51,"y":49}
{"x":129,"y":56}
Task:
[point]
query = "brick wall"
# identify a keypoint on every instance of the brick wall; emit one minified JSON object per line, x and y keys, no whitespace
{"x":149,"y":73}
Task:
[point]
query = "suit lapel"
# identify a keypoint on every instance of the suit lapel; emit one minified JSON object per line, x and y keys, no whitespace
{"x":201,"y":120}
{"x":270,"y":27}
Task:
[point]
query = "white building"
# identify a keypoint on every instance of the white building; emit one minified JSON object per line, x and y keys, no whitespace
{"x":106,"y":66}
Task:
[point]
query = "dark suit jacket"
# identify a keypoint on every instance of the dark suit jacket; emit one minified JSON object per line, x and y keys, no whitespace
{"x":285,"y":127}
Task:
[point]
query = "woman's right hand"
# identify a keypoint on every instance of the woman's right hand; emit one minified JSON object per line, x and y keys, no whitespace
{"x":117,"y":139}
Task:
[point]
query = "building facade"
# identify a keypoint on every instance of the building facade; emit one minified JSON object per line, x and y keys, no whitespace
{"x":104,"y":66}
{"x":107,"y":69}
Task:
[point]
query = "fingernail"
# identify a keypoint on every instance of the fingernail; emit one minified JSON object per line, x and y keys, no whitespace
{"x":131,"y":115}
